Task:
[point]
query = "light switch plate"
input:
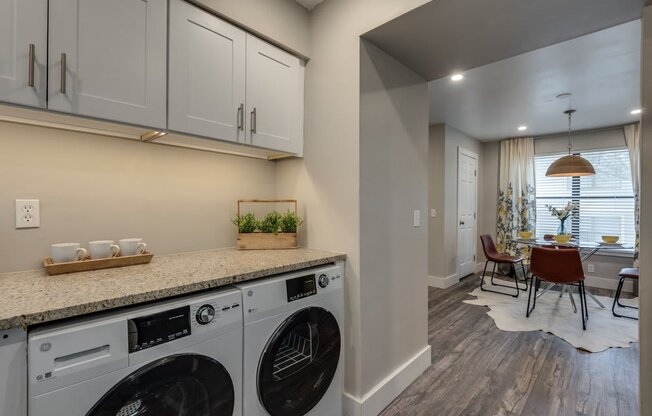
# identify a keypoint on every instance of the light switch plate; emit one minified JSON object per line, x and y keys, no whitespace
{"x":417,"y":218}
{"x":433,"y":212}
{"x":28,"y":213}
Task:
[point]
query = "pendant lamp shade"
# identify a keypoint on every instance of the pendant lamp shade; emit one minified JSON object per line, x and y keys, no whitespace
{"x":570,"y":165}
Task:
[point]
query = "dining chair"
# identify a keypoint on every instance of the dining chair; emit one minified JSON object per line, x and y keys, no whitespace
{"x":557,"y":266}
{"x":492,"y":255}
{"x":627,"y":273}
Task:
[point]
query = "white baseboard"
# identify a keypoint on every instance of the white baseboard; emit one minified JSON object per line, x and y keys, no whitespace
{"x":379,"y":397}
{"x":479,"y":267}
{"x":443,"y":282}
{"x":608,"y":283}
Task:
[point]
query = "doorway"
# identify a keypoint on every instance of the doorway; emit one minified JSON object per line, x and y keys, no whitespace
{"x":467,"y":207}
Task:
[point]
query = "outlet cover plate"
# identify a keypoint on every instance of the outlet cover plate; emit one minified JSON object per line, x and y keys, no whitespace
{"x":28,"y":213}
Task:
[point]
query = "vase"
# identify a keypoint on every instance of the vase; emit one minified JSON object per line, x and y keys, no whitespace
{"x":561,"y":230}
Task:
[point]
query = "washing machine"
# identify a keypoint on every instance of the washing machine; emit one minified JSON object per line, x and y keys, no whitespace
{"x":293,"y":343}
{"x":171,"y":358}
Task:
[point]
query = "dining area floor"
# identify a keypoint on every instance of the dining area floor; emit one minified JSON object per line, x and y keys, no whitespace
{"x":478,"y":369}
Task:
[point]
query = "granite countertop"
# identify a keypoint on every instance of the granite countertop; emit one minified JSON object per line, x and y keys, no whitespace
{"x":32,"y":297}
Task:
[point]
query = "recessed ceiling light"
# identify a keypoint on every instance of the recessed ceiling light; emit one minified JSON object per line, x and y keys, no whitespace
{"x":637,"y":111}
{"x":457,"y":77}
{"x":522,"y":128}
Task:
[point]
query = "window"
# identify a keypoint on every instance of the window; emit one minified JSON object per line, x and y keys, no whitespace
{"x":605,"y":201}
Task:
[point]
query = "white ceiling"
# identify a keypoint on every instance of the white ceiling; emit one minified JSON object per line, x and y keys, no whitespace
{"x":447,"y":35}
{"x":601,"y":70}
{"x":309,"y":4}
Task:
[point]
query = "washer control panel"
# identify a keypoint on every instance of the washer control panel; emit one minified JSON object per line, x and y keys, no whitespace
{"x":208,"y":313}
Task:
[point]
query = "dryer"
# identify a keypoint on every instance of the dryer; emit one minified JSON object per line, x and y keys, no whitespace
{"x":293,"y":343}
{"x":176,"y":357}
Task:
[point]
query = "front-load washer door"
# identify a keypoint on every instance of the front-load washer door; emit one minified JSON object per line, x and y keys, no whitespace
{"x":176,"y":385}
{"x":299,"y":362}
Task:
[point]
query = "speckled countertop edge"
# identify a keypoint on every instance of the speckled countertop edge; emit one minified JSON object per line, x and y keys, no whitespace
{"x":32,"y":297}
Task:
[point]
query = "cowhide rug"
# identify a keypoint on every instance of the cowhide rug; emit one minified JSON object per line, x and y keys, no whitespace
{"x":555,"y":315}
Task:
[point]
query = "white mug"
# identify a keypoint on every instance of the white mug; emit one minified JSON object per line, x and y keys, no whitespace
{"x":132,"y":246}
{"x":103,"y":249}
{"x":67,"y":252}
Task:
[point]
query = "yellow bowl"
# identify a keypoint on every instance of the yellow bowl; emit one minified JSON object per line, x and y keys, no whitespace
{"x":562,"y":238}
{"x":610,"y":239}
{"x":525,"y":234}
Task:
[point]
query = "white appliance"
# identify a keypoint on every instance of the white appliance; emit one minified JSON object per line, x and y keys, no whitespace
{"x":176,"y":357}
{"x":293,"y":343}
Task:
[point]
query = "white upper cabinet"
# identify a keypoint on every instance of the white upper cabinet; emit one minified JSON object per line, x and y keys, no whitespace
{"x":107,"y":59}
{"x":206,"y":75}
{"x":23,"y":51}
{"x":274,"y":97}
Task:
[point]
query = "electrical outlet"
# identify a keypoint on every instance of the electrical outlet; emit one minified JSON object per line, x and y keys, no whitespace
{"x":591,"y":268}
{"x":28,"y":213}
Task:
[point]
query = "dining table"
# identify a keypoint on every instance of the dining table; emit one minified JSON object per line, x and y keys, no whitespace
{"x":586,"y":249}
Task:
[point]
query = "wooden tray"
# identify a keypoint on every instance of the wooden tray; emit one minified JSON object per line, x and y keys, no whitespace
{"x":88,"y":264}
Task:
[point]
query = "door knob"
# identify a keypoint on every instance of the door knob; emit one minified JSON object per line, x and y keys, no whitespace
{"x":461,"y":222}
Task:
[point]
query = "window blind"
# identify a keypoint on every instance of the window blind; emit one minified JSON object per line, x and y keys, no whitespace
{"x":605,"y":201}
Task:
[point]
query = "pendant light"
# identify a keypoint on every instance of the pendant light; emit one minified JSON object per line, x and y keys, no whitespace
{"x":570,"y":165}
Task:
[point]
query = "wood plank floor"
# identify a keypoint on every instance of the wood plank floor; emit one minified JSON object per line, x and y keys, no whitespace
{"x":478,"y":369}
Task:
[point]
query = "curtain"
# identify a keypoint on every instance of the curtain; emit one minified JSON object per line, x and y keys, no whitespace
{"x":516,"y":201}
{"x":633,"y":141}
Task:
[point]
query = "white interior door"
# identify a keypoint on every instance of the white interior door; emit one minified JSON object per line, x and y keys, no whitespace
{"x":467,"y":170}
{"x":23,"y":51}
{"x":207,"y":74}
{"x":107,"y":59}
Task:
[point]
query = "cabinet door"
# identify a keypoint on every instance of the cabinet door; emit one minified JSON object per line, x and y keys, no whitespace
{"x":23,"y":51}
{"x":108,"y":59}
{"x":207,"y":74}
{"x":274,"y":97}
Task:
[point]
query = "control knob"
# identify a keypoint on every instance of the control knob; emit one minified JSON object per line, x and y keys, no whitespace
{"x":205,"y":314}
{"x":323,"y":281}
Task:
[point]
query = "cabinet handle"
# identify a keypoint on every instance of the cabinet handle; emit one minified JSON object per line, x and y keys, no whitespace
{"x":253,"y":120}
{"x":30,"y":73}
{"x":241,"y":117}
{"x":63,"y":73}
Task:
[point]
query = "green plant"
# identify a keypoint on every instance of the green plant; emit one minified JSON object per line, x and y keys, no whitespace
{"x":246,"y":223}
{"x":271,"y":223}
{"x":290,"y":222}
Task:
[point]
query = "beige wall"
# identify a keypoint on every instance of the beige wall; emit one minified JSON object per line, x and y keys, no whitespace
{"x":94,"y":187}
{"x":489,"y":191}
{"x":393,"y":183}
{"x":436,"y":184}
{"x":582,"y":140}
{"x":327,"y":180}
{"x":646,"y":219}
{"x":443,"y":194}
{"x":284,"y":22}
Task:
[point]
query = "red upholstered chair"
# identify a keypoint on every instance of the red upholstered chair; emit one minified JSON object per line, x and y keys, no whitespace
{"x":628,"y":273}
{"x":492,"y":255}
{"x":557,"y":266}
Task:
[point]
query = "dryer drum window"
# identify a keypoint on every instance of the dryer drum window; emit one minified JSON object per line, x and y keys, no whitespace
{"x":299,"y":362}
{"x":183,"y":384}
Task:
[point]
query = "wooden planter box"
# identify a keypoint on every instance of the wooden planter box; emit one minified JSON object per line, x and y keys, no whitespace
{"x":264,"y":241}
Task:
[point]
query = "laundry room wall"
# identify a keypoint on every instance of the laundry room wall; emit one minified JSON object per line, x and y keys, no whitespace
{"x":327,"y":179}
